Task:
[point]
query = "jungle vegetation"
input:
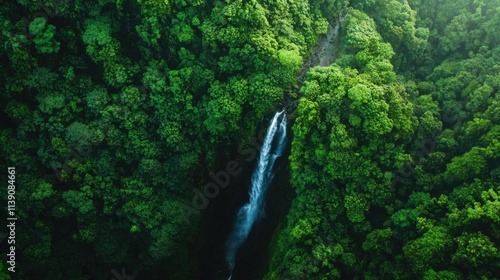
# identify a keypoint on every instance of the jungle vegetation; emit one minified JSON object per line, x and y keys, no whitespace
{"x":114,"y":111}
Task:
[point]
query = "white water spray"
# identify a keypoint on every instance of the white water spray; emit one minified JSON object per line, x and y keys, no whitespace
{"x":262,"y":176}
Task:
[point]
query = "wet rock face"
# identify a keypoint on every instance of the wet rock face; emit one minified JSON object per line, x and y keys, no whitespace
{"x":324,"y":52}
{"x":323,"y":55}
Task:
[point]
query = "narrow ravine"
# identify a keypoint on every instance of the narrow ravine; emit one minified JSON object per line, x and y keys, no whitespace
{"x":245,"y":239}
{"x":324,"y":53}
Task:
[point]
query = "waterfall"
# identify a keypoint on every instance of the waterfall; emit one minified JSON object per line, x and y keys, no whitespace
{"x":272,"y":148}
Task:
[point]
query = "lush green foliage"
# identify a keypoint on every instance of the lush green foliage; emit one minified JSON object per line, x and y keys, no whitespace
{"x":114,"y":112}
{"x":396,"y":173}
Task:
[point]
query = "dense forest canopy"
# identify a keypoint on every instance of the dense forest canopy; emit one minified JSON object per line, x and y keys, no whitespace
{"x":114,"y":114}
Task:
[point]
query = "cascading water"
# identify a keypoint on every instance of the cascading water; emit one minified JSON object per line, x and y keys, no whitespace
{"x":272,"y":148}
